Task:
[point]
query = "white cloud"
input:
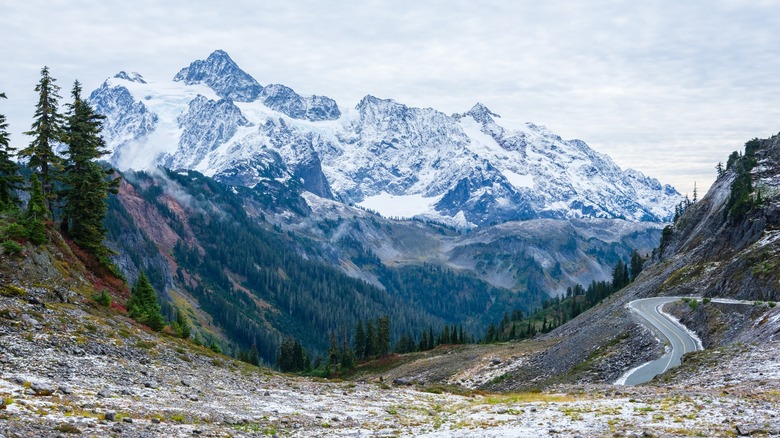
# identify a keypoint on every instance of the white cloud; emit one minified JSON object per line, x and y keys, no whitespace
{"x":666,"y":87}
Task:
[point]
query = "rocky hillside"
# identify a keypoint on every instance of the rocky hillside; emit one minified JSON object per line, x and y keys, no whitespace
{"x":464,"y":169}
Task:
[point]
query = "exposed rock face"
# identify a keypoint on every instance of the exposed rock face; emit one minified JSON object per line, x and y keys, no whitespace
{"x":205,"y":126}
{"x":220,"y":73}
{"x":286,"y":101}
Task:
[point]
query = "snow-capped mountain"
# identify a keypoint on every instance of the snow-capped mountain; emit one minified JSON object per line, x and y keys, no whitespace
{"x":464,"y":169}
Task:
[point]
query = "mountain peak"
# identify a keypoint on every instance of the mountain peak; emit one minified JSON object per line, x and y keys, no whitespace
{"x":369,"y":101}
{"x":481,"y":113}
{"x":132,"y":77}
{"x":223,"y":75}
{"x":314,"y":108}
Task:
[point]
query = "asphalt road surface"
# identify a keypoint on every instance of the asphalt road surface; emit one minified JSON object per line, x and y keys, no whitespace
{"x":679,"y":339}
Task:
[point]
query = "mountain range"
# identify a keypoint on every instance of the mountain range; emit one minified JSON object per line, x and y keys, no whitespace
{"x":466,"y":170}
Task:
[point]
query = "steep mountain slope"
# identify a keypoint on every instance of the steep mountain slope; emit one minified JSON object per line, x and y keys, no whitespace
{"x":466,"y":169}
{"x":252,"y":284}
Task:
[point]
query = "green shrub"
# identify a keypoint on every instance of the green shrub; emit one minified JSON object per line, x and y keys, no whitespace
{"x":706,"y":300}
{"x":15,"y":231}
{"x":772,"y":304}
{"x":10,"y":290}
{"x":103,"y":298}
{"x":68,"y":428}
{"x":12,"y":248}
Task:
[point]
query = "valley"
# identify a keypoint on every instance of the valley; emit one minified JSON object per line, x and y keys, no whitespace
{"x":415,"y":273}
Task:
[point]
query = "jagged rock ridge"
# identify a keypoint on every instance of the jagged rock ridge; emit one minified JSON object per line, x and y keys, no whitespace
{"x":462,"y":169}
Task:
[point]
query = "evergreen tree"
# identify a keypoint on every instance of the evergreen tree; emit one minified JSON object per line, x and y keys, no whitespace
{"x":143,"y":306}
{"x":334,"y":352}
{"x":182,"y":326}
{"x":619,"y":276}
{"x":490,"y":334}
{"x":10,"y":180}
{"x":347,"y":356}
{"x":423,"y":341}
{"x":371,"y":340}
{"x":86,"y":184}
{"x":383,"y":335}
{"x":46,"y":131}
{"x":36,"y":213}
{"x":636,"y":264}
{"x":719,"y":169}
{"x":360,"y":341}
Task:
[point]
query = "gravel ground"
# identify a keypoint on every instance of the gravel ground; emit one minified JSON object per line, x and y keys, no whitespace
{"x":73,"y":369}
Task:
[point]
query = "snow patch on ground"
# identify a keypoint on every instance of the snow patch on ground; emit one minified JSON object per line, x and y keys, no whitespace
{"x":403,"y":206}
{"x":517,"y":180}
{"x":768,"y":238}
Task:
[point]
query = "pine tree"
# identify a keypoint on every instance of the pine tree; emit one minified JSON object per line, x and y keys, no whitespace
{"x":10,"y":180}
{"x":46,"y":130}
{"x":360,"y":341}
{"x":423,"y":341}
{"x":86,"y":184}
{"x":695,"y":193}
{"x":347,"y":357}
{"x":636,"y":264}
{"x":719,"y":169}
{"x":371,"y":340}
{"x":36,"y":213}
{"x":333,"y":351}
{"x":143,"y":306}
{"x":383,"y":335}
{"x":619,"y":276}
{"x":182,"y":325}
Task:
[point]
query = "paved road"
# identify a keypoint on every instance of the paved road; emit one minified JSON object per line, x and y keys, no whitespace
{"x":679,"y":339}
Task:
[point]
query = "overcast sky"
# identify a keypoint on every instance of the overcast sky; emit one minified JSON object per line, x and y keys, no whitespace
{"x":667,"y":87}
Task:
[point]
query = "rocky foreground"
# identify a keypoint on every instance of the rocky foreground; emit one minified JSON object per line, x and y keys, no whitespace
{"x":76,"y":368}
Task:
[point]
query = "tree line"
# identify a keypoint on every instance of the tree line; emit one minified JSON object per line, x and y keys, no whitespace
{"x":558,"y":310}
{"x":70,"y":187}
{"x":370,"y":340}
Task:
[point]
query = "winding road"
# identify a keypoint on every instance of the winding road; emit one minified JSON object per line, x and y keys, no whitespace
{"x":679,"y":339}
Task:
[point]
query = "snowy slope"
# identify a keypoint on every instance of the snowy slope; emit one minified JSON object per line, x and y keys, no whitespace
{"x":464,"y":169}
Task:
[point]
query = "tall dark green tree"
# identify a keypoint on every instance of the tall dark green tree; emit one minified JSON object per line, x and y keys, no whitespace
{"x":182,"y":326}
{"x":36,"y":213}
{"x":620,"y":275}
{"x":636,"y":264}
{"x":85,"y":183}
{"x":383,"y":335}
{"x":46,"y":131}
{"x":371,"y":340}
{"x":360,"y":341}
{"x":10,"y":180}
{"x":143,"y":306}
